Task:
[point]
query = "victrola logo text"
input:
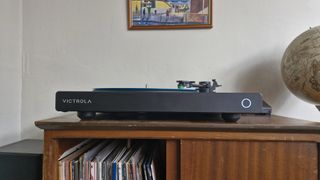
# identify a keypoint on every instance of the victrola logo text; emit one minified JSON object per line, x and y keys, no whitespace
{"x":76,"y":101}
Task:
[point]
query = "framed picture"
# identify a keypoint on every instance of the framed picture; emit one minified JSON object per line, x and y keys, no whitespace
{"x":169,"y":14}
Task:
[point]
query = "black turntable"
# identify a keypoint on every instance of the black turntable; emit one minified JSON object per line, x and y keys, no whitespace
{"x":189,"y":100}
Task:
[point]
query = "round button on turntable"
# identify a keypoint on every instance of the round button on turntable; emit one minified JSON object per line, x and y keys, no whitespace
{"x":246,"y":103}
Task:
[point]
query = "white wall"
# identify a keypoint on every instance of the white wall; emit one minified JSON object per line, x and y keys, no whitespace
{"x":10,"y":70}
{"x":82,"y":44}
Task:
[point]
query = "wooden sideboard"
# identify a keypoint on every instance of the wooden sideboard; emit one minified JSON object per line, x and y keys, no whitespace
{"x":254,"y":148}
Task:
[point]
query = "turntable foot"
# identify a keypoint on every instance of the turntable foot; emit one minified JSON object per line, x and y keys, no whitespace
{"x":86,"y":115}
{"x":230,"y":117}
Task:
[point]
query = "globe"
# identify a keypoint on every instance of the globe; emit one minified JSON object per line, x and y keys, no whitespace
{"x":300,"y":66}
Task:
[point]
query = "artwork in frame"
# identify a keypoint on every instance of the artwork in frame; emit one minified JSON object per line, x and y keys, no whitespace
{"x":169,"y":14}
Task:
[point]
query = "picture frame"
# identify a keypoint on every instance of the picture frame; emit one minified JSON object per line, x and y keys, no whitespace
{"x":169,"y":14}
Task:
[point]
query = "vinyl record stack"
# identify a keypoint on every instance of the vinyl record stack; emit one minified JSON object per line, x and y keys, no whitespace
{"x":111,"y":160}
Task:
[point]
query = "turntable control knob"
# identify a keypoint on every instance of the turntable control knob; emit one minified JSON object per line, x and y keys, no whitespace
{"x":246,"y":103}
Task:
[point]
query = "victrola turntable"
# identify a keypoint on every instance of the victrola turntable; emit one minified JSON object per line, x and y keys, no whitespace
{"x":188,"y":100}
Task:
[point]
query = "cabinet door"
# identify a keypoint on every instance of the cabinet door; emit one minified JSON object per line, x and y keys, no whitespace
{"x":248,"y":160}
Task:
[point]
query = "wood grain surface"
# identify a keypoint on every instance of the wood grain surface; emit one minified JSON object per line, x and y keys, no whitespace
{"x":172,"y":159}
{"x":245,"y":124}
{"x":254,"y":148}
{"x":233,"y":160}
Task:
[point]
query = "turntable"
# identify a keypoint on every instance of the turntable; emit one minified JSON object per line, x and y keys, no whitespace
{"x":190,"y":99}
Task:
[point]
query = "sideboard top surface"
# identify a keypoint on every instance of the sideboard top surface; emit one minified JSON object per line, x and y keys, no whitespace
{"x":246,"y":123}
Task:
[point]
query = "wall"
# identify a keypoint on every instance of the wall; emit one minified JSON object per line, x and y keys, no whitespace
{"x":82,"y":44}
{"x":10,"y":70}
